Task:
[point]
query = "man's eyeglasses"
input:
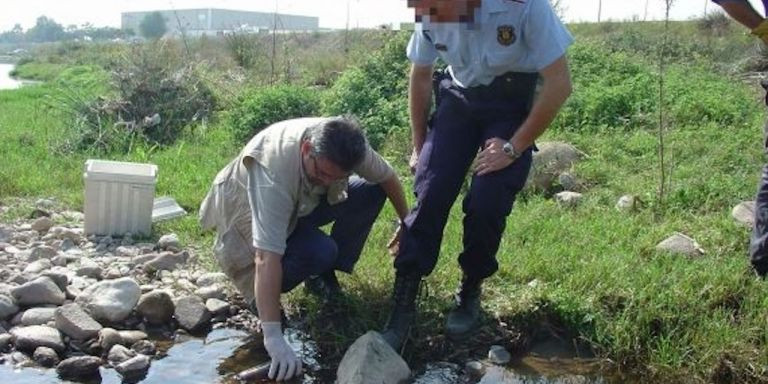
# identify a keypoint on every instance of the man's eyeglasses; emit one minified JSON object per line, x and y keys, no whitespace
{"x":324,"y":175}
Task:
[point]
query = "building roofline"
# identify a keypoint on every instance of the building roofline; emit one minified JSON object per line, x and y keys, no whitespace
{"x":217,"y":9}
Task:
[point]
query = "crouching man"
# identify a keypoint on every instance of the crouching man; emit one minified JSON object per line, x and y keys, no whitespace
{"x":269,"y":203}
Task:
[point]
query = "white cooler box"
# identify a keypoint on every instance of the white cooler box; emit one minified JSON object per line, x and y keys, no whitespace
{"x":118,"y":197}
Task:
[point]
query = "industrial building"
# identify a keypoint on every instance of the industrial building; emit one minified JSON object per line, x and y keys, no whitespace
{"x":212,"y":21}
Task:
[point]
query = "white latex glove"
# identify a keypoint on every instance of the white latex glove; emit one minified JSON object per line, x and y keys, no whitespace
{"x":285,"y":364}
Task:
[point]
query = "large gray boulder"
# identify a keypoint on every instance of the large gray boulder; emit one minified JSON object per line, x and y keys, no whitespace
{"x":8,"y":307}
{"x":568,"y":199}
{"x":499,"y":355}
{"x":744,"y":213}
{"x":42,"y":224}
{"x":119,"y":353}
{"x":680,"y":244}
{"x":37,"y":316}
{"x":35,"y":267}
{"x":74,"y":322}
{"x":110,"y":300}
{"x":6,"y":233}
{"x":191,"y":313}
{"x":211,"y":292}
{"x":370,"y":360}
{"x":134,"y":368}
{"x":40,"y":291}
{"x":6,"y":342}
{"x":156,"y":307}
{"x":79,"y":368}
{"x":170,"y":242}
{"x":216,"y":306}
{"x":40,"y":253}
{"x":29,"y":338}
{"x":108,"y":338}
{"x":46,"y":357}
{"x":166,"y":261}
{"x":551,"y":160}
{"x":211,"y":278}
{"x":89,"y":268}
{"x":130,"y":337}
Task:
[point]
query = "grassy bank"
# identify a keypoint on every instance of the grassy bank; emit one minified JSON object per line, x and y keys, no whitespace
{"x":593,"y":270}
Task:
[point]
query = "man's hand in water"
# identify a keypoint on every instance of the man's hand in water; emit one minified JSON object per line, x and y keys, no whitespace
{"x":285,"y":364}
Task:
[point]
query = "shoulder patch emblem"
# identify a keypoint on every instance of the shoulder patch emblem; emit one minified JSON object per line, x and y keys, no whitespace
{"x":505,"y":35}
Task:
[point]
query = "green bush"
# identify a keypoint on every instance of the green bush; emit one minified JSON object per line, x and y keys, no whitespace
{"x":380,"y":80}
{"x":610,"y":89}
{"x":149,"y":98}
{"x":619,"y":90}
{"x":246,"y":49}
{"x":391,"y":116}
{"x":697,"y":95}
{"x":261,"y":107}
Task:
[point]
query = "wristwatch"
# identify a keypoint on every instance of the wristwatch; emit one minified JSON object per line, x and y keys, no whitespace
{"x":510,"y":151}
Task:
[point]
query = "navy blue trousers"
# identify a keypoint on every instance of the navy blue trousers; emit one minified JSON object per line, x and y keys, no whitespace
{"x":310,"y":251}
{"x":462,"y":122}
{"x":758,"y":245}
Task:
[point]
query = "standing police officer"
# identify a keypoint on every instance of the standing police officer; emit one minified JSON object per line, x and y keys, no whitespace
{"x":485,"y":118}
{"x":743,"y":12}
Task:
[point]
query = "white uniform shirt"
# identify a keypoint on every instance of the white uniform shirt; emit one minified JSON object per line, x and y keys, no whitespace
{"x":506,"y":36}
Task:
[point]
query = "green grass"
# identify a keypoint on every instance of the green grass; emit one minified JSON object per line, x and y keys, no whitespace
{"x":38,"y":71}
{"x":596,"y":269}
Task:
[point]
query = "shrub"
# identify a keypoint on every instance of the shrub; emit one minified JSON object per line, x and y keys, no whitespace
{"x":714,"y":23}
{"x":244,"y":48}
{"x":610,"y":89}
{"x":618,"y":90}
{"x":391,"y":116}
{"x":380,"y":80}
{"x":261,"y":107}
{"x":150,"y":98}
{"x":697,"y":95}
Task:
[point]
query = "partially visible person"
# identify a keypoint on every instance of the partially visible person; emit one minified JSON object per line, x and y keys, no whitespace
{"x":486,"y":119}
{"x":743,"y":12}
{"x":267,"y":207}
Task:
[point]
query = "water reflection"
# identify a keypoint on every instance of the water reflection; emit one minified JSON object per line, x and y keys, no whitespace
{"x":498,"y":375}
{"x":214,"y":359}
{"x":6,"y":82}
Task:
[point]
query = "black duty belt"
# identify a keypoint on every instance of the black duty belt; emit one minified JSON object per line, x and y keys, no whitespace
{"x":509,"y":86}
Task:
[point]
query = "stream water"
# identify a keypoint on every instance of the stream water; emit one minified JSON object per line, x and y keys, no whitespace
{"x":223,"y":353}
{"x":6,"y":81}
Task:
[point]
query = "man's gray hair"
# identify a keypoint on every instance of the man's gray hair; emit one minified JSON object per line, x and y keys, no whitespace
{"x":340,"y":140}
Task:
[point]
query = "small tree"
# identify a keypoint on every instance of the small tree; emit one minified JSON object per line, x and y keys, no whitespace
{"x":662,"y":106}
{"x":153,"y":26}
{"x":45,"y":30}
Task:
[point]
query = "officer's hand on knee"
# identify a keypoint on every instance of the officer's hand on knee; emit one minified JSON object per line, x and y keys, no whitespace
{"x":394,"y":243}
{"x":413,"y":161}
{"x":492,"y":158}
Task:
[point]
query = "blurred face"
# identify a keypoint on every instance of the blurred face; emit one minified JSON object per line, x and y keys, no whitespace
{"x":444,"y":11}
{"x":320,"y":171}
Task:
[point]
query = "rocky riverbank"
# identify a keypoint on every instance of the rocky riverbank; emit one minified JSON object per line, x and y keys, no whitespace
{"x":79,"y":302}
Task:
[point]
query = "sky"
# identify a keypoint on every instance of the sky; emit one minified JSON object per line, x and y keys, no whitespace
{"x":332,"y":13}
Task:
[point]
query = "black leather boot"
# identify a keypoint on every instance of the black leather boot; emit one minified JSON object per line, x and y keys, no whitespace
{"x":403,"y":311}
{"x":465,"y":318}
{"x":326,"y":287}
